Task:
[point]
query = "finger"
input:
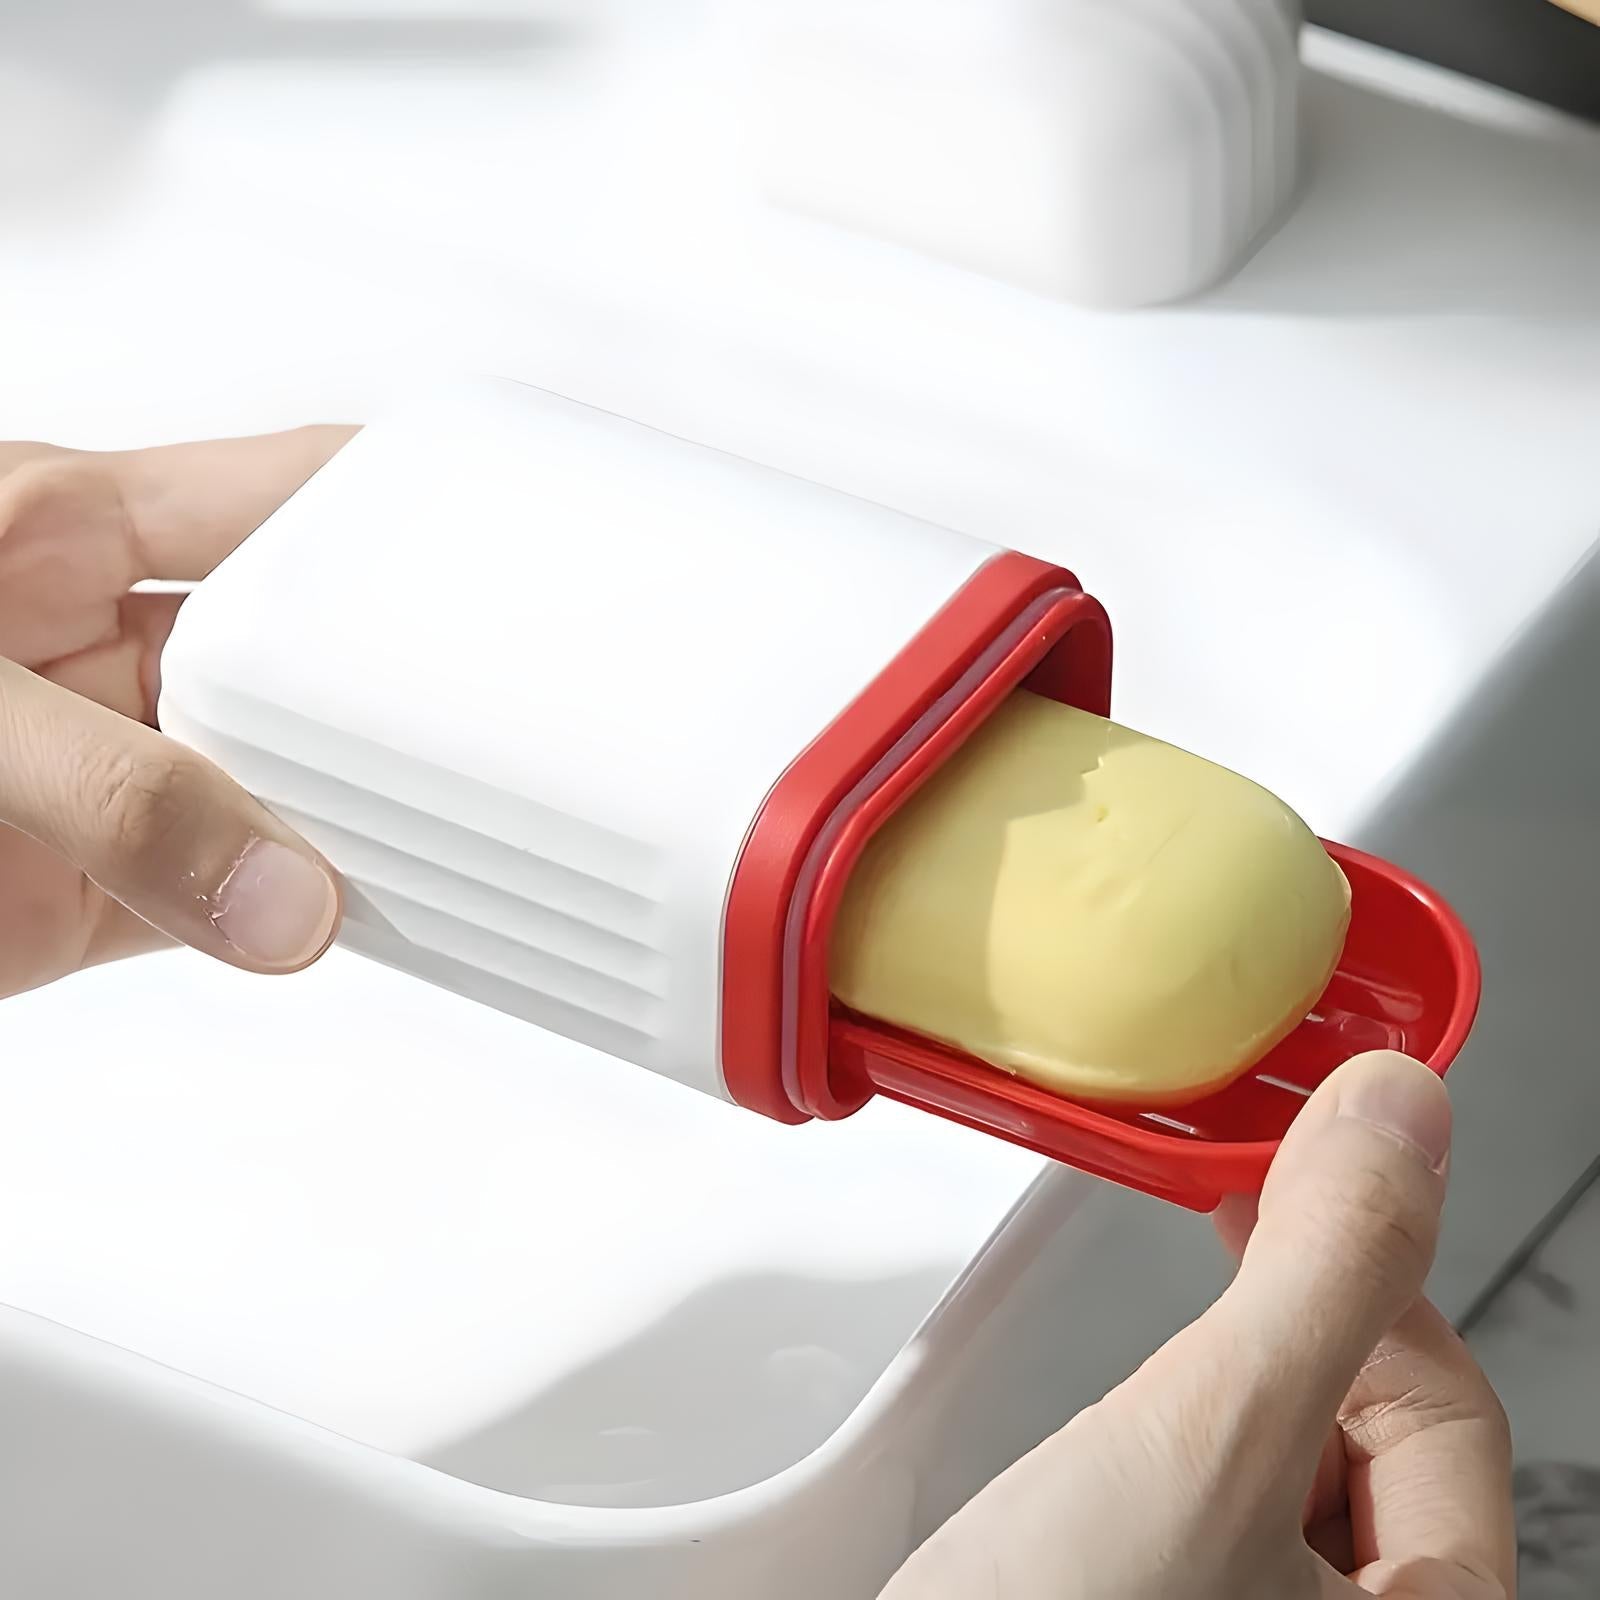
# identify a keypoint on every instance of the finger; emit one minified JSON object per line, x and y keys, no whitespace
{"x":159,"y":829}
{"x":1420,"y":1465}
{"x":123,"y":675}
{"x":65,"y":555}
{"x":1327,"y":1510}
{"x":1325,"y":1516}
{"x":1347,"y":1225}
{"x":1330,"y":1542}
{"x":1412,"y":1580}
{"x":1428,"y":1452}
{"x":119,"y":933}
{"x":190,"y":505}
{"x":1235,"y":1221}
{"x":16,"y":453}
{"x":52,"y":917}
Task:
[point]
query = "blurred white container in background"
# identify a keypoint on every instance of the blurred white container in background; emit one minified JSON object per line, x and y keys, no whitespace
{"x":1114,"y":153}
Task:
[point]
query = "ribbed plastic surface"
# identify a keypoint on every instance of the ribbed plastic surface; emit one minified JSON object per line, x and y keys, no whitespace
{"x":537,"y":914}
{"x":525,"y":672}
{"x":1111,"y":152}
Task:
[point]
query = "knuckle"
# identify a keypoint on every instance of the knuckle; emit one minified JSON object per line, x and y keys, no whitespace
{"x":141,"y":800}
{"x":1379,"y":1417}
{"x":1423,"y":1379}
{"x":33,"y":478}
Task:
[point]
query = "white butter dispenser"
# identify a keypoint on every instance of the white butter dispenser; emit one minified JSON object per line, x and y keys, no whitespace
{"x":620,"y":793}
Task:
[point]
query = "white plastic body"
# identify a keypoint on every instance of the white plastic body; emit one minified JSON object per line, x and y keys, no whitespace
{"x":1115,"y":153}
{"x":548,"y":819}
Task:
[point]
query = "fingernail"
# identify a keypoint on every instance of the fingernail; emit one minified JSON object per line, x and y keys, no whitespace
{"x":1404,"y":1099}
{"x":276,"y":907}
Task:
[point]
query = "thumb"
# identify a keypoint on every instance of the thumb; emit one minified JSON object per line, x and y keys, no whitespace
{"x":1345,"y":1235}
{"x":160,"y":829}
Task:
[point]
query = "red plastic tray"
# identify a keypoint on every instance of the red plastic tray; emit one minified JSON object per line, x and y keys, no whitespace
{"x":1408,"y":980}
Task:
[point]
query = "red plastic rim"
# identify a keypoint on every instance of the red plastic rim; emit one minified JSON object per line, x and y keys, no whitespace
{"x":891,"y":717}
{"x":1060,"y":646}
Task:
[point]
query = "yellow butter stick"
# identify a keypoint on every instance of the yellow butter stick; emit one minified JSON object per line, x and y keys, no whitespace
{"x":1096,"y":911}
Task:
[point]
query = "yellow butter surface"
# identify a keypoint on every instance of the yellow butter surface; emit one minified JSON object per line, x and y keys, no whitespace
{"x":1093,"y":910}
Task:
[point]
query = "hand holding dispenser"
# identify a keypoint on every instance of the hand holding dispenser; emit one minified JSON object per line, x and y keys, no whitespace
{"x":597,"y":722}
